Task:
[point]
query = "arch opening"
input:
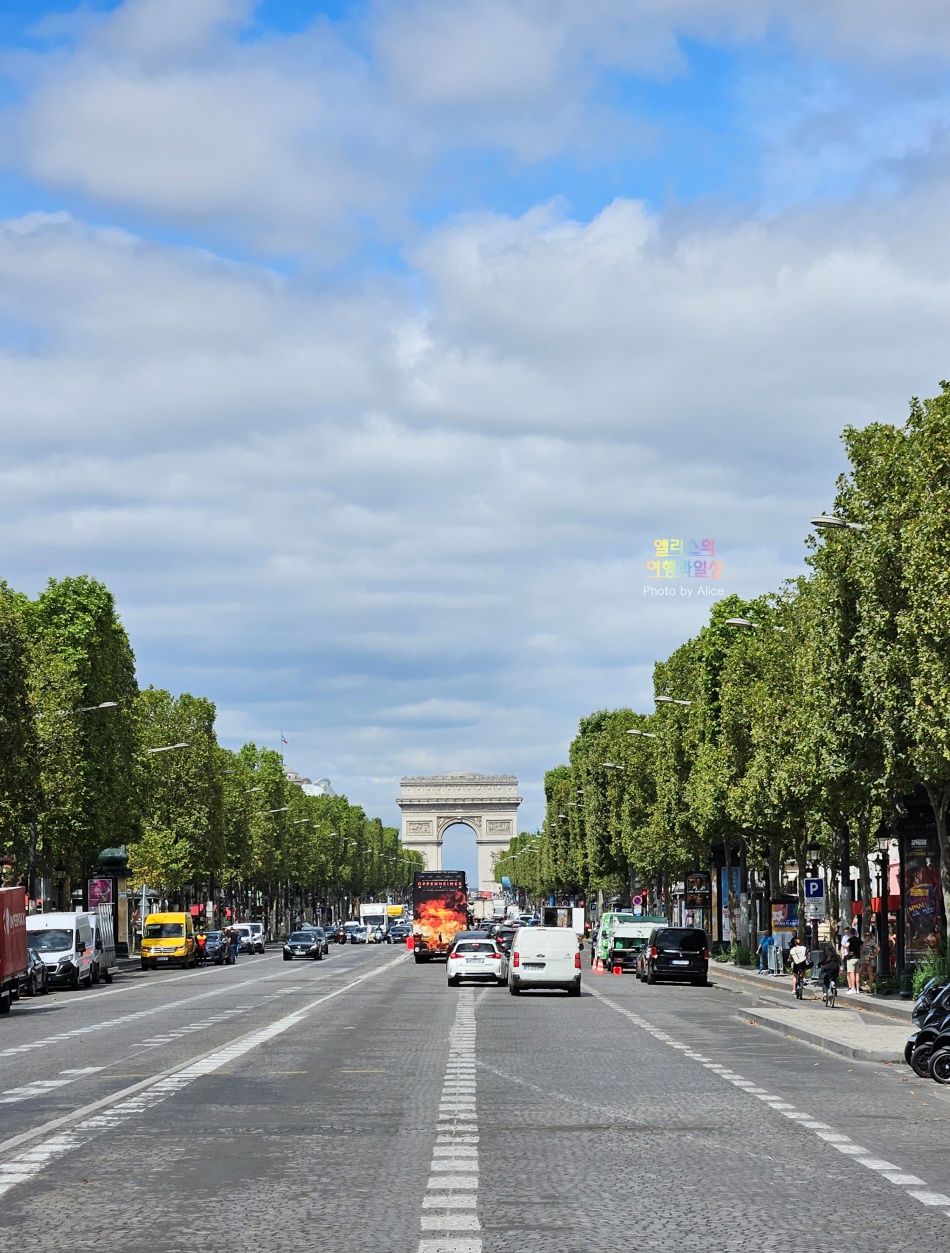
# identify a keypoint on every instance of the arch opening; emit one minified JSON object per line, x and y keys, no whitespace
{"x":460,"y":852}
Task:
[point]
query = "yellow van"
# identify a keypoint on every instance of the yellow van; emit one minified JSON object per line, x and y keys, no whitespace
{"x":168,"y":938}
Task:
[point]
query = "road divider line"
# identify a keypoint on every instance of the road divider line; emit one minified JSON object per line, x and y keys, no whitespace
{"x":110,"y":1111}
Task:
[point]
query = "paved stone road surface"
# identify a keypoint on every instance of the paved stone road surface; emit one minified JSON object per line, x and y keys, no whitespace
{"x":360,"y":1104}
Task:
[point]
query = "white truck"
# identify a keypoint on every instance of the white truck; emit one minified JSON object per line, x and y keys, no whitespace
{"x":374,"y":916}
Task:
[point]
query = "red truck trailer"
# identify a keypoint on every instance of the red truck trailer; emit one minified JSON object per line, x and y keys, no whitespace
{"x":439,"y":911}
{"x":13,"y":956}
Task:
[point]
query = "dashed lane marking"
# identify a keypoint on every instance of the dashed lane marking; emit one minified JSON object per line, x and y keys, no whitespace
{"x":43,"y":1087}
{"x":62,"y":1135}
{"x":913,"y":1186}
{"x":449,"y":1208}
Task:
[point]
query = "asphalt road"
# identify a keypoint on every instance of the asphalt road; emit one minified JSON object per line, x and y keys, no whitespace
{"x":358,"y":1103}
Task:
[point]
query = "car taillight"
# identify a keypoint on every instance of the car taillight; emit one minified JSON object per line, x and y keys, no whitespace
{"x":654,"y":951}
{"x":577,"y":961}
{"x":706,"y":954}
{"x":515,"y":960}
{"x":494,"y":954}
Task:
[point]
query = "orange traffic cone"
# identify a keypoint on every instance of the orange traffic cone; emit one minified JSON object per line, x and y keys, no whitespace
{"x":618,"y":970}
{"x":599,"y":966}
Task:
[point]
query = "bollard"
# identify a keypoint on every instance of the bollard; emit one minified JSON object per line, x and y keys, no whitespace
{"x":618,"y":970}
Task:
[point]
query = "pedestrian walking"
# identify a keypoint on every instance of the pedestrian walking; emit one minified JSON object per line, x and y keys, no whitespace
{"x":234,"y":945}
{"x":765,"y":943}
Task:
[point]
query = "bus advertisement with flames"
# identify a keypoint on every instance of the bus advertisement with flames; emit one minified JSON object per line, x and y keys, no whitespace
{"x":439,"y":911}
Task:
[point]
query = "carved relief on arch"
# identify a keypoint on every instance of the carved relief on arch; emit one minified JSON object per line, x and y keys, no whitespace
{"x":418,"y":828}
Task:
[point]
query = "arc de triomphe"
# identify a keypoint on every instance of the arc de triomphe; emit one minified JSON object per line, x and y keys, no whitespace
{"x":488,"y":803}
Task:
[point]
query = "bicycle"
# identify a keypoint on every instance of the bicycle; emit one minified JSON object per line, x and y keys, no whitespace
{"x":799,"y":981}
{"x":831,"y":990}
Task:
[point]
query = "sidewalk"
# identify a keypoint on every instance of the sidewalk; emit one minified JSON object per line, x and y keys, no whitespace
{"x":865,"y":1028}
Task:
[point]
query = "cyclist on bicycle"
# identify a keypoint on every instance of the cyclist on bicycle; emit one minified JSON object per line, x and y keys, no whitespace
{"x":830,"y":967}
{"x":798,"y":959}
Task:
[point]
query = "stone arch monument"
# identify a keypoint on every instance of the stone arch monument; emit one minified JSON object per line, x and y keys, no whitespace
{"x":488,"y":803}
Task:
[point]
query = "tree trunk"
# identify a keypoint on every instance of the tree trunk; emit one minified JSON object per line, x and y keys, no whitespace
{"x":732,"y":901}
{"x":799,"y":842}
{"x":844,"y":900}
{"x":864,"y":869}
{"x":939,"y":794}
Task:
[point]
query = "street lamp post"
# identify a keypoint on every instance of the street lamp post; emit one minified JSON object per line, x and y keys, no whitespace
{"x":884,"y":900}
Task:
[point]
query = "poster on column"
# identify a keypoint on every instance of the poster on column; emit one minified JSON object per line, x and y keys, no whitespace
{"x":920,"y":899}
{"x":724,"y":899}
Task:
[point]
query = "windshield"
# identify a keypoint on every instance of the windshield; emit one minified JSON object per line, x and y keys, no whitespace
{"x":212,"y":935}
{"x":374,"y":920}
{"x":51,"y":941}
{"x":475,"y":946}
{"x":302,"y":937}
{"x":164,"y":930}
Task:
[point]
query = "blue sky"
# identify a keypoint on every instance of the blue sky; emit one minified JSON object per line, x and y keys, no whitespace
{"x":364,"y":350}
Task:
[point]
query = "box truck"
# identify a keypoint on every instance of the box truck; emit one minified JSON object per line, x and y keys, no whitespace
{"x":439,"y":911}
{"x":14,"y":960}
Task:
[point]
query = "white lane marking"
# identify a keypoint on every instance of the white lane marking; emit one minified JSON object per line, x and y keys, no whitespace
{"x":913,"y":1186}
{"x":78,"y":1126}
{"x":167,"y":1007}
{"x":42,"y":1087}
{"x":449,"y":1208}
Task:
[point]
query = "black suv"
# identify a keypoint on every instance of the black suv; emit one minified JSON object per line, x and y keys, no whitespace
{"x":675,"y":953}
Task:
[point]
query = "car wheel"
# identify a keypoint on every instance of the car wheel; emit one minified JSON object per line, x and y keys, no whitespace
{"x":319,"y":956}
{"x":44,"y":990}
{"x":87,"y":982}
{"x":95,"y":973}
{"x":699,"y":983}
{"x":453,"y":982}
{"x":287,"y":958}
{"x":574,"y":989}
{"x":107,"y":975}
{"x":420,"y":959}
{"x":514,"y":987}
{"x":651,"y":978}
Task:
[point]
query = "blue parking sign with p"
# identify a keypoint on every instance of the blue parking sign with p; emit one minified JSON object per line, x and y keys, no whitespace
{"x":814,"y":889}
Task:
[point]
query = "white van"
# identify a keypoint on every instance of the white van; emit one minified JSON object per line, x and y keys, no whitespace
{"x":104,"y":964}
{"x":65,"y":943}
{"x":545,"y":957}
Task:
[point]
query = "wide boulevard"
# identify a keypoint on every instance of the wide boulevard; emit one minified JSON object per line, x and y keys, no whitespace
{"x":360,"y":1104}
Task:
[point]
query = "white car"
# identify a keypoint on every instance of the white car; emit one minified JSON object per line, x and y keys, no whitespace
{"x":545,"y":957}
{"x":476,"y":959}
{"x":257,"y":933}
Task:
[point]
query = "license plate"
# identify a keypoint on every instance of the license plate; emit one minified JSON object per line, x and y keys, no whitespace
{"x":161,"y":959}
{"x":679,"y":963}
{"x":474,"y":961}
{"x":534,"y":965}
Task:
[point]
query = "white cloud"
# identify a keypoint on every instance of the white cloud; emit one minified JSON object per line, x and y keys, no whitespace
{"x":415,"y":537}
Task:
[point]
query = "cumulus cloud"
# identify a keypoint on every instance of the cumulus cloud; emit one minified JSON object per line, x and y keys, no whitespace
{"x":405,"y":516}
{"x":414,"y":536}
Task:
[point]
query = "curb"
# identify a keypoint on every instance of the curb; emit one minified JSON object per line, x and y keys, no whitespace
{"x":897,"y":1012}
{"x":829,"y":1046}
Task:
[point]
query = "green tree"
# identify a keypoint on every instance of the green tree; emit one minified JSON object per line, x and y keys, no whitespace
{"x":81,"y":659}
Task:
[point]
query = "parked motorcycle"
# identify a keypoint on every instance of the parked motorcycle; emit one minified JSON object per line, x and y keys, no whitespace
{"x":931,"y":1013}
